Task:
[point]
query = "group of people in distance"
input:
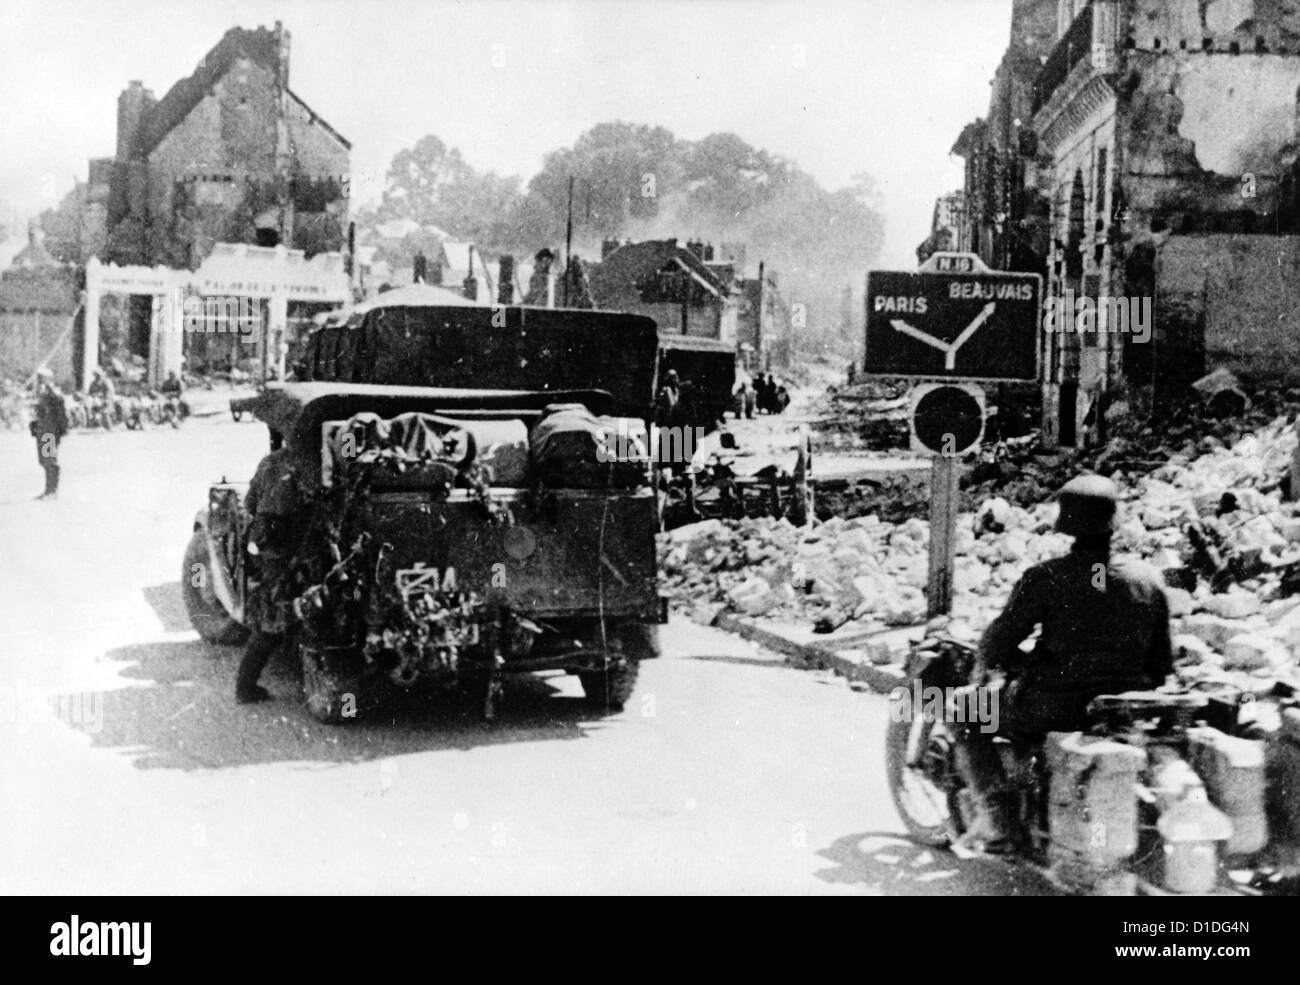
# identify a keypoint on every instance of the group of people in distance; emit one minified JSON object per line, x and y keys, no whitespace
{"x":765,"y":395}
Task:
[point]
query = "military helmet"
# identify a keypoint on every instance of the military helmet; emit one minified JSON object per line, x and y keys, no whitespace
{"x":44,"y":374}
{"x":1087,"y":506}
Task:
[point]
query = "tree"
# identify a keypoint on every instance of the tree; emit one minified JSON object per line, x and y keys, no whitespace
{"x":432,"y":185}
{"x":416,"y":177}
{"x":727,"y":177}
{"x":621,"y":172}
{"x":634,"y":180}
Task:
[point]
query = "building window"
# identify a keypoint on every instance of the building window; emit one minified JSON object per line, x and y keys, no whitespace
{"x":1099,"y":199}
{"x":1076,"y":231}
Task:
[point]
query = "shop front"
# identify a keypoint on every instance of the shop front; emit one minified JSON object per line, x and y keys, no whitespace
{"x":235,"y":312}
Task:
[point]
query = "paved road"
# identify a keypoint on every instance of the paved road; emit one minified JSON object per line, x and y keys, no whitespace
{"x":728,"y":772}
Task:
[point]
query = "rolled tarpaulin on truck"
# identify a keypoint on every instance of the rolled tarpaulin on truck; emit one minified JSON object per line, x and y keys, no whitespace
{"x":407,"y":443}
{"x":572,"y":448}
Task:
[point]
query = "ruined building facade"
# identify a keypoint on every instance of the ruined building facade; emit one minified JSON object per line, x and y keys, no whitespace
{"x":230,"y":154}
{"x":1158,"y":147}
{"x":1003,"y":217}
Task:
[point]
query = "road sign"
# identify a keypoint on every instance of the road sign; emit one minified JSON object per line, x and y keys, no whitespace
{"x":953,"y":319}
{"x":946,"y":419}
{"x":954,"y":263}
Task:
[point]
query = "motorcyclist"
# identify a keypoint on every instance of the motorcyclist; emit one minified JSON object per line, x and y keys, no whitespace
{"x":1104,"y":628}
{"x":172,"y":386}
{"x":103,"y":391}
{"x":172,"y":390}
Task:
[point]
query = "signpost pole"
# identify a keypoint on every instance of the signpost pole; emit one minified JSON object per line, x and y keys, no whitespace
{"x":951,"y":321}
{"x":943,"y":533}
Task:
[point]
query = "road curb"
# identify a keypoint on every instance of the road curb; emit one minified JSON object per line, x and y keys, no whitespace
{"x":813,"y":656}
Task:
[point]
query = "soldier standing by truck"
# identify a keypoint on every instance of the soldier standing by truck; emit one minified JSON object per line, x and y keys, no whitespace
{"x":48,"y":428}
{"x":273,"y":500}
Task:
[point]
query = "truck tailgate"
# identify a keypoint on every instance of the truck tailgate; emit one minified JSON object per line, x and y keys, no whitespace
{"x":575,"y":553}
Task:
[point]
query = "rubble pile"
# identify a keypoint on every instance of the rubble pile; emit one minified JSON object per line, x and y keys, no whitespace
{"x":892,"y":496}
{"x":1229,"y":550}
{"x":863,"y":569}
{"x":1022,"y":471}
{"x":868,"y":415}
{"x":1215,"y":526}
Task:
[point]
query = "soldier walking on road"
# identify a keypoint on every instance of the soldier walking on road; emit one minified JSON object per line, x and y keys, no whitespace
{"x":48,"y":428}
{"x":746,"y":399}
{"x":668,"y":400}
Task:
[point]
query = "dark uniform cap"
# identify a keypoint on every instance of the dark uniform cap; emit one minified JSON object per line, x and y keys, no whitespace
{"x":1088,"y":506}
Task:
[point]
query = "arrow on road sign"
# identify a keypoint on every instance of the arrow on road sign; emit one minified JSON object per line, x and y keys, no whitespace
{"x":949,"y":349}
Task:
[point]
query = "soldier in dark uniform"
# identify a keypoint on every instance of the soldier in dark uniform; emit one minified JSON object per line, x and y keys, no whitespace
{"x":48,"y":428}
{"x":172,"y":386}
{"x":1105,"y":629}
{"x":172,"y":389}
{"x":274,"y":501}
{"x":668,"y":400}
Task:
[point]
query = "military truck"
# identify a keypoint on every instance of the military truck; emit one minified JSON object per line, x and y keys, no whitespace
{"x":450,"y":535}
{"x":391,"y":340}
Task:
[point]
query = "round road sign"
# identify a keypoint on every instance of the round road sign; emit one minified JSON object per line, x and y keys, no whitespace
{"x":519,"y":542}
{"x":948,"y":420}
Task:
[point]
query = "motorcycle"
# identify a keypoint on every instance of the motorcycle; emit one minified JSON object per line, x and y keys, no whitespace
{"x":172,"y":409}
{"x":1162,"y":794}
{"x":102,"y":412}
{"x":14,"y":411}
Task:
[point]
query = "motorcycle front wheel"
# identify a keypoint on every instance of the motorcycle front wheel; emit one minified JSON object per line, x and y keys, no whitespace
{"x":920,"y":762}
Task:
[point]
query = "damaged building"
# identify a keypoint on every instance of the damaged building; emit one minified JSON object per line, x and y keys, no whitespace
{"x":670,"y":282}
{"x":230,"y":154}
{"x":1156,"y":145}
{"x":696,"y":290}
{"x":231,"y":188}
{"x":945,"y":226}
{"x":1000,"y":212}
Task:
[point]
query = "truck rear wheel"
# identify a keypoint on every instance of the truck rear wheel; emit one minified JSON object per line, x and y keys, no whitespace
{"x":612,"y":687}
{"x":207,"y":615}
{"x":331,"y":683}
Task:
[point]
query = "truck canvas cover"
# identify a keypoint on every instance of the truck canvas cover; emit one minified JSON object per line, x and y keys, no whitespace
{"x":482,"y":348}
{"x":297,"y":410}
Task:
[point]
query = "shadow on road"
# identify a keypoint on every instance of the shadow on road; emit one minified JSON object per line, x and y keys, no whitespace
{"x":183,"y":715}
{"x":895,"y":866}
{"x":758,"y":661}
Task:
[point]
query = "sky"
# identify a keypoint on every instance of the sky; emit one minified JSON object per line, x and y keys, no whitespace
{"x":839,"y":86}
